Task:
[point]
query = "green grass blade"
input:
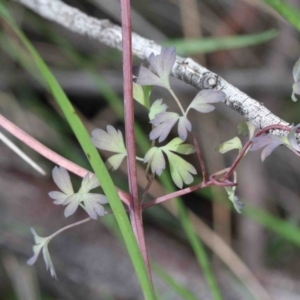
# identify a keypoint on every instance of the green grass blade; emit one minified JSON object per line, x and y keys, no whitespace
{"x":109,"y":94}
{"x":199,"y":251}
{"x":114,"y":101}
{"x":281,"y":227}
{"x":207,"y":45}
{"x":291,"y":14}
{"x":179,"y":289}
{"x":93,"y":157}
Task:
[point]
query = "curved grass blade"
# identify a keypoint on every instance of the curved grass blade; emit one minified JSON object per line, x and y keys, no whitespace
{"x":207,"y":45}
{"x":92,"y":155}
{"x":179,"y":289}
{"x":281,"y":227}
{"x":199,"y":251}
{"x":291,"y":14}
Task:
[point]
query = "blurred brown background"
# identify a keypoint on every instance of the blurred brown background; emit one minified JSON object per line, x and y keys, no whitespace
{"x":90,"y":261}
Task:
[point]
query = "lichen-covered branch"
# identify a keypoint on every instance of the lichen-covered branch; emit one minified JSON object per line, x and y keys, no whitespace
{"x":185,"y":68}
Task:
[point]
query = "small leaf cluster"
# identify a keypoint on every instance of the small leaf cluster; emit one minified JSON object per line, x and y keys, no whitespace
{"x":158,"y":74}
{"x":110,"y":140}
{"x":244,"y":128}
{"x":181,"y":170}
{"x":90,"y":202}
{"x":41,"y":244}
{"x":162,"y":122}
{"x":267,"y":142}
{"x":156,"y":158}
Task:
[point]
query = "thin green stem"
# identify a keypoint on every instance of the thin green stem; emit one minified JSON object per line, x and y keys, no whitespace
{"x":68,"y":227}
{"x":177,"y":101}
{"x":49,"y":154}
{"x":199,"y":251}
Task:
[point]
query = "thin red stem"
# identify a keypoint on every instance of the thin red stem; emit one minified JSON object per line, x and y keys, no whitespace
{"x":248,"y":144}
{"x":135,"y":206}
{"x":74,"y":168}
{"x":200,"y":158}
{"x":49,"y":154}
{"x":187,"y":190}
{"x":176,"y":194}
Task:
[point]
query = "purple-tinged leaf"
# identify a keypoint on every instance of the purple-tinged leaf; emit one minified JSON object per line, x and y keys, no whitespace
{"x":112,"y":140}
{"x":162,"y":65}
{"x":268,"y":150}
{"x":202,"y":101}
{"x":163,"y":123}
{"x":184,"y":125}
{"x":268,"y":142}
{"x":146,"y":77}
{"x":292,"y":138}
{"x":73,"y":200}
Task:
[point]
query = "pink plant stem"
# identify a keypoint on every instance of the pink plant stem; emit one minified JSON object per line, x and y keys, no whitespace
{"x":248,"y":144}
{"x":177,"y":194}
{"x":49,"y":154}
{"x":200,"y":158}
{"x":135,"y":206}
{"x":74,"y":168}
{"x":188,"y":190}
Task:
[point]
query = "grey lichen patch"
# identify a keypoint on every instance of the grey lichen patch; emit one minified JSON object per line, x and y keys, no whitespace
{"x":238,"y":107}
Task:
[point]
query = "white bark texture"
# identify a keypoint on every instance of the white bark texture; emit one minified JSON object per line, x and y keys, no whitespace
{"x":184,"y":69}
